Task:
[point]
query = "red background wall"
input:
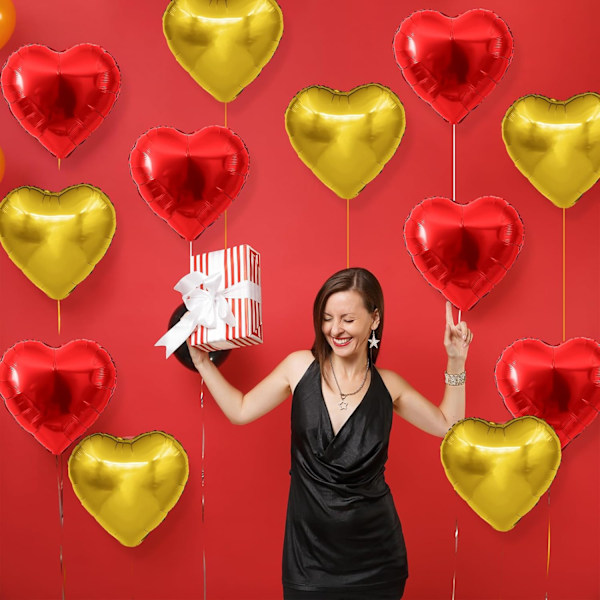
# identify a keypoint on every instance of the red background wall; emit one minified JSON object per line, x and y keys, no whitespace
{"x":299,"y":227}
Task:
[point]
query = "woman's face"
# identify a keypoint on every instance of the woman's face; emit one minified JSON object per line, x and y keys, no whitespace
{"x":347,"y":323}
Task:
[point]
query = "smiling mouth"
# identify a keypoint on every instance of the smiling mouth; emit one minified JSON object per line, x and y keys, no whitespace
{"x":340,"y":342}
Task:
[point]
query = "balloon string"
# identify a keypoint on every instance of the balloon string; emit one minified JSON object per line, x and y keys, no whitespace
{"x":58,"y":314}
{"x":564,"y":275}
{"x":347,"y":233}
{"x":502,"y":563}
{"x":548,"y":553}
{"x":59,"y":482}
{"x":202,"y":485}
{"x":225,"y":243}
{"x":453,"y":162}
{"x":455,"y":559}
{"x":191,"y":258}
{"x":131,"y":576}
{"x":59,"y":164}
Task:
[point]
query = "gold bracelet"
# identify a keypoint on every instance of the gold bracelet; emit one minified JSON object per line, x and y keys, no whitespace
{"x":455,"y":380}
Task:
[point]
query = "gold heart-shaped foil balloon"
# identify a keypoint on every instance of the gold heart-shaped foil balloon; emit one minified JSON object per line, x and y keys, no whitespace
{"x":223,"y":44}
{"x":56,"y":239}
{"x":129,"y":485}
{"x":345,"y":138}
{"x":501,"y":470}
{"x":555,"y":144}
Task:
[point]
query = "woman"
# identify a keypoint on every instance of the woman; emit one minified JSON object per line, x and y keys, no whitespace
{"x":343,"y":538}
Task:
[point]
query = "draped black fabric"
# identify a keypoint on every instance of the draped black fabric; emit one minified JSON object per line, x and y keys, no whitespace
{"x":342,"y":531}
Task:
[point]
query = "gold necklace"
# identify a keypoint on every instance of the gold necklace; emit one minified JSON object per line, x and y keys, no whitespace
{"x":342,"y":403}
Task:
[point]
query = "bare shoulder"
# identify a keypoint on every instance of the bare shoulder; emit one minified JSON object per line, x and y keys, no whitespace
{"x":295,"y":365}
{"x":394,"y":383}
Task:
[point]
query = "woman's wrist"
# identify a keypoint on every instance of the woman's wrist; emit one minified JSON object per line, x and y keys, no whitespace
{"x":455,"y":366}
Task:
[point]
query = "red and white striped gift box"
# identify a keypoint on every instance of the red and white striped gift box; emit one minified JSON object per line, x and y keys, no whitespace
{"x":237,"y":264}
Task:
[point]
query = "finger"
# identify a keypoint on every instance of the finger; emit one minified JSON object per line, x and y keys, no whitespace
{"x":449,"y":317}
{"x":448,"y":334}
{"x":469,"y":339}
{"x":462,"y":329}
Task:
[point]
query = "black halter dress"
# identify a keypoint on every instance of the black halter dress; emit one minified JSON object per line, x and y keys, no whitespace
{"x":343,"y":538}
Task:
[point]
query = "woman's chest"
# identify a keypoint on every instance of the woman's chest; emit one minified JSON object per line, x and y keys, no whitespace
{"x":340,"y":408}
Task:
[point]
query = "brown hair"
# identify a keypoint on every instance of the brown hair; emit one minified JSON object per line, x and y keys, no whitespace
{"x":359,"y":280}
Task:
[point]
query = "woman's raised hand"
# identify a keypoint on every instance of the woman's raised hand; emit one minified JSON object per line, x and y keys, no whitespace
{"x":457,"y":337}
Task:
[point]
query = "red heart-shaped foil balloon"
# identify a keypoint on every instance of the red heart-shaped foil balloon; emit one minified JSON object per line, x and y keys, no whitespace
{"x":56,"y":393}
{"x":453,"y":63}
{"x":60,"y":97}
{"x":189,"y":179}
{"x":559,"y":384}
{"x":463,"y":250}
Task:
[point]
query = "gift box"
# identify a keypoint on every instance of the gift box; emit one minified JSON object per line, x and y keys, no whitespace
{"x":223,"y":300}
{"x":239,"y":286}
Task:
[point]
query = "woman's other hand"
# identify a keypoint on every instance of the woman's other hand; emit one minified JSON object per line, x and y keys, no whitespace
{"x":199,"y":357}
{"x":457,"y":338}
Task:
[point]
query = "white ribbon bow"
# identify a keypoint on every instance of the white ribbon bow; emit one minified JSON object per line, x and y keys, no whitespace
{"x":207,"y":306}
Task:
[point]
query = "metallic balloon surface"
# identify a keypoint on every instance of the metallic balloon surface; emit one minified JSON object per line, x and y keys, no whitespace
{"x":56,"y":393}
{"x":129,"y":485}
{"x":345,"y":138}
{"x":7,"y":20}
{"x":555,"y":144}
{"x":182,"y":354}
{"x":453,"y":63}
{"x":501,"y":470}
{"x":223,"y":45}
{"x":560,"y":384}
{"x":189,"y":180}
{"x":56,"y":239}
{"x":60,"y":98}
{"x":463,"y":250}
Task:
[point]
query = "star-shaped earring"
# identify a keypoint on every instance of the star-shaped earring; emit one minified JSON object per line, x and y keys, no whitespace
{"x":373,"y":341}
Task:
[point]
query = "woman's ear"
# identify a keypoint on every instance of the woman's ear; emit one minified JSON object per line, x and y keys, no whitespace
{"x":376,"y":319}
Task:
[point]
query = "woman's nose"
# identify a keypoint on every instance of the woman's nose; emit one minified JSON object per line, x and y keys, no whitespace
{"x":336,"y":328}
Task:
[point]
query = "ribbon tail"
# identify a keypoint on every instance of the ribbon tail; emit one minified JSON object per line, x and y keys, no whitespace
{"x":224,"y":312}
{"x":231,"y":320}
{"x":177,"y":334}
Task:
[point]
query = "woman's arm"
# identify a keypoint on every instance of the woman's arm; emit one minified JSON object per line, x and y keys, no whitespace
{"x":242,"y":408}
{"x":414,"y":407}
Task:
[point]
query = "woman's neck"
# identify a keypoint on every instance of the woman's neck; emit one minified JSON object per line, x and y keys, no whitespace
{"x":349,"y":367}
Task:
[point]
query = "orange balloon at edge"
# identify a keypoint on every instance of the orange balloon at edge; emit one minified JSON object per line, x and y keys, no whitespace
{"x":8,"y":17}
